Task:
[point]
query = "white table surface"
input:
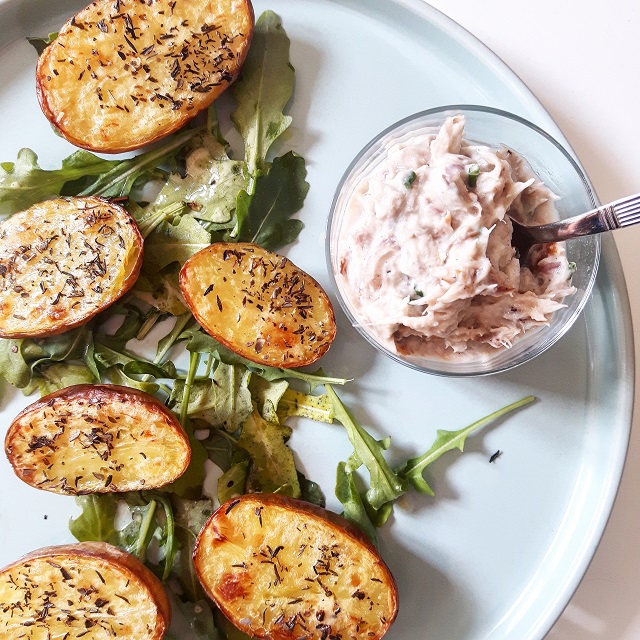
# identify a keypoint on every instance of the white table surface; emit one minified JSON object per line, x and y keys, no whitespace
{"x":582,"y":60}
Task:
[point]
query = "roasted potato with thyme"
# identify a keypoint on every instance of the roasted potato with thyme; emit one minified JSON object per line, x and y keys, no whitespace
{"x":97,"y":439}
{"x":281,"y":569}
{"x":258,"y":304}
{"x":62,"y":261}
{"x":123,"y":73}
{"x":86,"y":590}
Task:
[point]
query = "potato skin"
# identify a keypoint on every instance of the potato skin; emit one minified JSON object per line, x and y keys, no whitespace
{"x":280,"y":568}
{"x":258,"y":304}
{"x":63,"y":261}
{"x":103,"y":587}
{"x":97,"y":439}
{"x":124,"y":73}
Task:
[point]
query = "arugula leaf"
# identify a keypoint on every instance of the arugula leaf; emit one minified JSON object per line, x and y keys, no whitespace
{"x":189,"y":518}
{"x":24,"y":183}
{"x":278,"y":195}
{"x":233,"y":481}
{"x":40,"y":44}
{"x":224,"y":401}
{"x":200,"y":617}
{"x":266,"y":395}
{"x":412,"y":470}
{"x":272,"y":460}
{"x":189,"y":484}
{"x":119,"y":180}
{"x":385,"y":485}
{"x":294,"y":403}
{"x":311,"y":491}
{"x":198,"y":341}
{"x":60,"y":375}
{"x":174,"y":243}
{"x":351,"y":500}
{"x":161,"y":291}
{"x":263,"y":91}
{"x":97,"y":520}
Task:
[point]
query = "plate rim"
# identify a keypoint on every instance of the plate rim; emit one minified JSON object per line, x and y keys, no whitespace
{"x":610,"y":264}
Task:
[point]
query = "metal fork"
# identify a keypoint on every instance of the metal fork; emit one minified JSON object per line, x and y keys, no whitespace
{"x":618,"y":214}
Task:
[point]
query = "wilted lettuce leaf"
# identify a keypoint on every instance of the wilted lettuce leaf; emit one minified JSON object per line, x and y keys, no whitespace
{"x":272,"y":460}
{"x":169,"y":243}
{"x":263,"y":90}
{"x":279,"y":194}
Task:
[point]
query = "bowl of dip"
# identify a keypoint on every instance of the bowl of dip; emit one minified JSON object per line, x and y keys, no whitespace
{"x":419,"y":241}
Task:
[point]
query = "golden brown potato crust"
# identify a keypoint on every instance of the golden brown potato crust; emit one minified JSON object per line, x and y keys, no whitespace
{"x":62,"y":261}
{"x":88,"y":590}
{"x":259,"y":304}
{"x":123,"y":73}
{"x":97,"y":439}
{"x":281,"y":569}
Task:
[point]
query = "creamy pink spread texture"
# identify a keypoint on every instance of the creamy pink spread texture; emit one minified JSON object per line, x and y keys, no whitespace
{"x":426,"y":257}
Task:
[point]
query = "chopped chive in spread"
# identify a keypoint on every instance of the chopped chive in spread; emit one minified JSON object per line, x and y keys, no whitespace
{"x":473,"y":171}
{"x":409,"y":178}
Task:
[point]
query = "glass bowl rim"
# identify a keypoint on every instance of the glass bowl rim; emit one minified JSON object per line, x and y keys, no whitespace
{"x":545,"y":344}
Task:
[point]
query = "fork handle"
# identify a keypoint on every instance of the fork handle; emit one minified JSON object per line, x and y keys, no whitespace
{"x":618,"y":214}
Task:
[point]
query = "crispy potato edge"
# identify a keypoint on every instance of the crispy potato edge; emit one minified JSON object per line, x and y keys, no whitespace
{"x":54,"y":120}
{"x":112,"y":555}
{"x":308,"y":509}
{"x":98,"y":392}
{"x":216,"y":246}
{"x":127,"y":284}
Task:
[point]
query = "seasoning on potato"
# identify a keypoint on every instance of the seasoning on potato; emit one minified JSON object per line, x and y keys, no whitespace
{"x":123,"y":73}
{"x":88,"y":590}
{"x":259,"y":304}
{"x":63,"y":261}
{"x":284,"y":568}
{"x":97,"y":439}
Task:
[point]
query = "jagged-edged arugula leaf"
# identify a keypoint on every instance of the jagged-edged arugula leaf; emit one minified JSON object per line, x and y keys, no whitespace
{"x":279,"y":194}
{"x":351,"y":500}
{"x":23,"y":183}
{"x":263,"y":90}
{"x":384,"y":486}
{"x":200,"y":342}
{"x":413,"y":469}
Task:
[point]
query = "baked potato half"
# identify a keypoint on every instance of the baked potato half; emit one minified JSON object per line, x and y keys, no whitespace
{"x":259,"y":304}
{"x":280,"y":568}
{"x":97,"y":439}
{"x":123,"y":73}
{"x":63,"y":261}
{"x":85,"y":590}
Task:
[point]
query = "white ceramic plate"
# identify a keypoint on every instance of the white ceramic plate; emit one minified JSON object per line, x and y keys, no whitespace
{"x":499,"y":551}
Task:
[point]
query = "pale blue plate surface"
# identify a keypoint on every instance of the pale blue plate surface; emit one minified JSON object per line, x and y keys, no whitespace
{"x":499,"y":551}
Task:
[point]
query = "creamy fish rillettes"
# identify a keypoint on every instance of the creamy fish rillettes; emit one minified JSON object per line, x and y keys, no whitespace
{"x":426,"y":257}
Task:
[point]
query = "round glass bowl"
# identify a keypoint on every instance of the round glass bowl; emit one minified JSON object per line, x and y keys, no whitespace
{"x":551,"y":163}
